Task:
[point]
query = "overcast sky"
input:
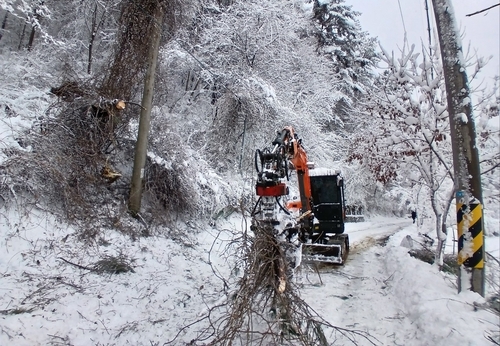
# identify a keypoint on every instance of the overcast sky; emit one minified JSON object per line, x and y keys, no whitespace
{"x":384,"y":19}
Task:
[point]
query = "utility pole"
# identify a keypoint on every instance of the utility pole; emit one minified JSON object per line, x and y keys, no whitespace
{"x":144,"y":121}
{"x":468,"y":191}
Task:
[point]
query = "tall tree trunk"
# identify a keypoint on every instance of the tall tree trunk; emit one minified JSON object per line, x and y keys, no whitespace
{"x":33,"y":29}
{"x":21,"y":39}
{"x":4,"y":24}
{"x":131,"y":51}
{"x":147,"y":100}
{"x":32,"y":38}
{"x":93,"y":30}
{"x":96,"y":24}
{"x":442,"y":233}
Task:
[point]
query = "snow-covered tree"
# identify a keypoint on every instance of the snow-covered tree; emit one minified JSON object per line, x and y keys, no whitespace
{"x":257,"y":66}
{"x":409,"y":142}
{"x":25,"y":22}
{"x":339,"y":36}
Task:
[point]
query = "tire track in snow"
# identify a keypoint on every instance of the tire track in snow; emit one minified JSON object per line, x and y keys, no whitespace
{"x":354,"y":296}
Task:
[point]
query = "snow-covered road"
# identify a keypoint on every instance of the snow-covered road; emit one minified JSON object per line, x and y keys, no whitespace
{"x":365,"y":234}
{"x":353,"y":296}
{"x":393,"y":298}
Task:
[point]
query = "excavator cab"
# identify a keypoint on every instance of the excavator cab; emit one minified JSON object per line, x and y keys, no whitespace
{"x":324,"y":241}
{"x":327,"y":193}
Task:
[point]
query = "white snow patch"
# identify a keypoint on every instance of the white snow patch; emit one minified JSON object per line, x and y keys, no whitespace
{"x":462,"y":117}
{"x":411,"y":120}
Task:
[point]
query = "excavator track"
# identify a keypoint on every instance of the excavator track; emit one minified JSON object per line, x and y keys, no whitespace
{"x":335,"y":251}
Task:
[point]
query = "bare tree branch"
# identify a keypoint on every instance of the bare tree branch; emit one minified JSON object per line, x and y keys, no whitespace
{"x":490,"y":169}
{"x":481,"y":11}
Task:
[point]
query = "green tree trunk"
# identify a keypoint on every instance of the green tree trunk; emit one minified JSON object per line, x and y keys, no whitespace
{"x":147,"y":100}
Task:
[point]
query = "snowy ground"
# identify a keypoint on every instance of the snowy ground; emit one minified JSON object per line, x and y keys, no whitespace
{"x":395,"y":298}
{"x":44,"y":300}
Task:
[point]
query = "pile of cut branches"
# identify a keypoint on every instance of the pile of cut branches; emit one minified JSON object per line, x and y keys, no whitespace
{"x":266,"y":309}
{"x":68,"y":163}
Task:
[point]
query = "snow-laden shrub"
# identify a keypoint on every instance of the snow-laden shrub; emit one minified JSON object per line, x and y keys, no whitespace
{"x":168,"y":186}
{"x":240,"y":119}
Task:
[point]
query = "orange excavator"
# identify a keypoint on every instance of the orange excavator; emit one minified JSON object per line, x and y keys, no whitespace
{"x":316,"y":219}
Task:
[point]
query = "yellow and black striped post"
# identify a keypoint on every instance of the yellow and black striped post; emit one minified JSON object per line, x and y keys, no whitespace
{"x":470,"y":235}
{"x":470,"y":239}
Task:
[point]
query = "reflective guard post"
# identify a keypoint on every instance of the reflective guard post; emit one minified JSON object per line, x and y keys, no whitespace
{"x":470,"y":242}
